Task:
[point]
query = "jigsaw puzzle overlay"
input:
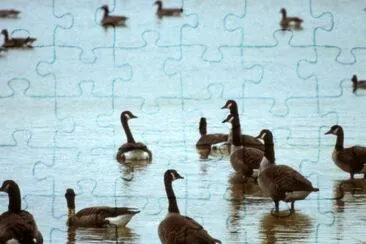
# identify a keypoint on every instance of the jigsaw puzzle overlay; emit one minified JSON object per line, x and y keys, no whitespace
{"x":61,"y":101}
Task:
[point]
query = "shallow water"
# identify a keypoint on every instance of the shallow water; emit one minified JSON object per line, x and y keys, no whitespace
{"x":61,"y":104}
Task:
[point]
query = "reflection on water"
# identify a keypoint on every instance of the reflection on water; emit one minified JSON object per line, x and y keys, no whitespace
{"x":98,"y":235}
{"x":217,"y":152}
{"x":350,"y":191}
{"x":293,"y":228}
{"x":128,"y":168}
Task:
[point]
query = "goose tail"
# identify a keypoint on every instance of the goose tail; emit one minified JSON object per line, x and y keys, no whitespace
{"x":315,"y":189}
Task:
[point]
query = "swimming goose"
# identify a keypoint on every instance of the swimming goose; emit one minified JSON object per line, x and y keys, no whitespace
{"x":112,"y":20}
{"x":99,"y":216}
{"x":288,"y":22}
{"x":243,"y":159}
{"x":131,"y":150}
{"x":16,"y":225}
{"x":9,"y":13}
{"x":16,"y":42}
{"x":247,"y":140}
{"x":351,"y":159}
{"x":167,"y":11}
{"x":177,"y":228}
{"x":208,"y":140}
{"x":358,"y":83}
{"x":280,"y":182}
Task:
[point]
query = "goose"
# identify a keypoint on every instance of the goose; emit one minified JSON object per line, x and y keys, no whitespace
{"x":16,"y":42}
{"x":358,"y":83}
{"x":281,"y":182}
{"x":351,"y":159}
{"x":9,"y":13}
{"x":176,"y":228}
{"x":16,"y":225}
{"x":247,"y":140}
{"x":131,"y":150}
{"x":99,"y":216}
{"x":244,"y":160}
{"x":167,"y":11}
{"x":288,"y":22}
{"x":112,"y":20}
{"x":208,"y":140}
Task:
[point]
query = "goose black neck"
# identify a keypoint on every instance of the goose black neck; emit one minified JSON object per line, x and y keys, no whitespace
{"x":14,"y":199}
{"x":284,"y":14}
{"x":6,"y":35}
{"x":236,"y":131}
{"x":173,"y":207}
{"x":127,"y":130}
{"x":203,"y":127}
{"x":340,"y":139}
{"x":269,"y":152}
{"x":160,"y":5}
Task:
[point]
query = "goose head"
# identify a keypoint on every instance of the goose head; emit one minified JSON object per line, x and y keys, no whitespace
{"x":266,"y":135}
{"x":203,"y":126}
{"x":172,"y":175}
{"x":334,"y":130}
{"x":158,"y":2}
{"x":231,"y":105}
{"x":283,"y":11}
{"x":127,"y":115}
{"x":105,"y":8}
{"x":7,"y":186}
{"x":70,"y":198}
{"x":4,"y":32}
{"x":354,"y":79}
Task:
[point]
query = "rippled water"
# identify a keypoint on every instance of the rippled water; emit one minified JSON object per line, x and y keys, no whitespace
{"x":61,"y":128}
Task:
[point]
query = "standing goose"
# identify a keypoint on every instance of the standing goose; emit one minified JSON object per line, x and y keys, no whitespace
{"x":247,"y":140}
{"x":351,"y":159}
{"x":167,"y":11}
{"x":16,"y":42}
{"x":9,"y":13}
{"x":243,"y":159}
{"x":100,"y":216}
{"x":112,"y":20}
{"x":208,"y":140}
{"x":288,"y":22}
{"x":281,"y":182}
{"x":176,"y":228}
{"x":16,"y":225}
{"x":131,"y":150}
{"x":358,"y":83}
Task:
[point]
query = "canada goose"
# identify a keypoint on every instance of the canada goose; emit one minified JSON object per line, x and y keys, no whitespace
{"x":246,"y":140}
{"x":16,"y":42}
{"x":176,"y":228}
{"x":351,"y":159}
{"x":9,"y":13}
{"x":288,"y":22}
{"x":280,"y":182}
{"x":243,"y":159}
{"x":99,"y":216}
{"x":16,"y":225}
{"x":167,"y":11}
{"x":208,"y":140}
{"x":358,"y":83}
{"x":112,"y":20}
{"x":131,"y":150}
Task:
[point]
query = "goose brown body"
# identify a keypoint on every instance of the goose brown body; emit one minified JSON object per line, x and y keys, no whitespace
{"x":161,"y":12}
{"x":131,"y":150}
{"x":98,"y":216}
{"x":351,"y":159}
{"x":208,"y":140}
{"x":176,"y":228}
{"x":281,"y":182}
{"x":17,"y":42}
{"x":9,"y":13}
{"x":289,"y":22}
{"x":15,"y":223}
{"x":112,"y":20}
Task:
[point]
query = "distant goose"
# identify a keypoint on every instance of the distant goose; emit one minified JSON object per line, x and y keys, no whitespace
{"x":247,"y":140}
{"x":243,"y":159}
{"x":9,"y":13}
{"x":281,"y":182}
{"x":16,"y":225}
{"x":100,"y":216}
{"x":112,"y":20}
{"x":16,"y":41}
{"x":131,"y":150}
{"x":176,"y":228}
{"x":351,"y":159}
{"x":288,"y":22}
{"x":167,"y":11}
{"x":208,"y":140}
{"x":358,"y":83}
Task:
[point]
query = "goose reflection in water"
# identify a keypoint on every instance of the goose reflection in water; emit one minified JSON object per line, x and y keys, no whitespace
{"x":293,"y":228}
{"x":350,"y":191}
{"x":103,"y":235}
